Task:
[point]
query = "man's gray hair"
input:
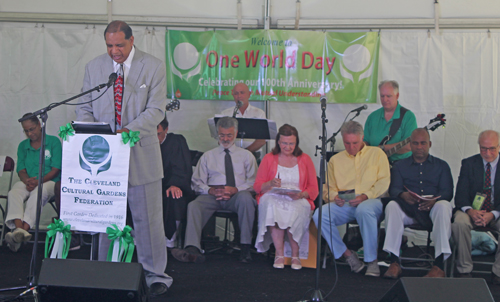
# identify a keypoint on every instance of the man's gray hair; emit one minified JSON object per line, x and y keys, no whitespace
{"x":351,"y":127}
{"x":393,"y":83}
{"x":227,"y":122}
{"x":488,"y":132}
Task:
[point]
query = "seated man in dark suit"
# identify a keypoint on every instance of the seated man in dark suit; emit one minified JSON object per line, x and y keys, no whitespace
{"x":176,"y":183}
{"x":478,"y":179}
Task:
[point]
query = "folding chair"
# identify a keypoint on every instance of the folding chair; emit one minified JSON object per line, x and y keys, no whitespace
{"x":8,"y":167}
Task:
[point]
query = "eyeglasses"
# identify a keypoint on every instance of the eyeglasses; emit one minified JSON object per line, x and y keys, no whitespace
{"x":32,"y":129}
{"x":229,"y":136}
{"x":484,"y":149}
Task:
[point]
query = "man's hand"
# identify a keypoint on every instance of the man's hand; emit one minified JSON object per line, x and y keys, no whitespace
{"x":224,"y":193}
{"x":476,"y":216}
{"x":427,"y":204}
{"x":175,"y":191}
{"x":487,"y":218}
{"x":359,"y":199}
{"x":123,"y":130}
{"x":480,"y":218}
{"x":339,"y":201}
{"x":408,"y":198}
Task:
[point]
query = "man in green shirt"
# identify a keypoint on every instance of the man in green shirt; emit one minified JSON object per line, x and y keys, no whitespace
{"x":379,"y":122}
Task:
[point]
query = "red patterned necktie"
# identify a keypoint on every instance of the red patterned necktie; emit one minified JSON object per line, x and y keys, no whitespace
{"x":487,"y":206}
{"x":119,"y":95}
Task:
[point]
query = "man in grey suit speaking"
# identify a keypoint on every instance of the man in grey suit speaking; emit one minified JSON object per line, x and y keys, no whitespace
{"x":136,"y":103}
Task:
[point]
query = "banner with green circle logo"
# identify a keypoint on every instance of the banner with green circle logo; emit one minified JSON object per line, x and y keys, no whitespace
{"x":298,"y":66}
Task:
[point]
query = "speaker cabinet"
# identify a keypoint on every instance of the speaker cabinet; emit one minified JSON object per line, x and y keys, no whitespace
{"x":63,"y":280}
{"x":438,"y":290}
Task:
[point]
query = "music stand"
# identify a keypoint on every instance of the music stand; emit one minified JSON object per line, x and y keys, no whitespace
{"x":248,"y":128}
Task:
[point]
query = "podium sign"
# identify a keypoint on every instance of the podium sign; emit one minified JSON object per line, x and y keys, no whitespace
{"x":94,"y":182}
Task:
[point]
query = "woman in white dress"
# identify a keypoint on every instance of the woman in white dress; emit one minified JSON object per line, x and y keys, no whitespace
{"x":286,"y":167}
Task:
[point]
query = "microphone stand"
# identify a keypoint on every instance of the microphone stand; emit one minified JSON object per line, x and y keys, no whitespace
{"x":43,"y":116}
{"x":332,"y":139}
{"x":317,"y":296}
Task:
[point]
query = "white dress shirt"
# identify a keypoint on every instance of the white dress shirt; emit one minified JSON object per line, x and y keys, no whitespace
{"x":211,"y":171}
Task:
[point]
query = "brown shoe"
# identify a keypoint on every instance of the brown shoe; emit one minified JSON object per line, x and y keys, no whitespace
{"x":435,"y":272}
{"x":394,"y":271}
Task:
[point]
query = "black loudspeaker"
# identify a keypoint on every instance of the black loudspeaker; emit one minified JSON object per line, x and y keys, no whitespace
{"x":63,"y":280}
{"x":438,"y":290}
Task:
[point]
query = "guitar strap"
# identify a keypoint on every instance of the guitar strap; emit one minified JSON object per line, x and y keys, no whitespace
{"x":395,"y":125}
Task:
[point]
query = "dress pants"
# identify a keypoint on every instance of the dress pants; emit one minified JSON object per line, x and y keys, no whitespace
{"x":396,"y":219}
{"x":18,"y":194}
{"x":367,"y":214}
{"x":461,"y":228}
{"x":204,"y":206}
{"x":145,"y":205}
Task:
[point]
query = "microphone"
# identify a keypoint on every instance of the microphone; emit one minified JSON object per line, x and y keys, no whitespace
{"x":111,"y":81}
{"x":323,"y":102}
{"x":237,"y":107}
{"x":358,"y":110}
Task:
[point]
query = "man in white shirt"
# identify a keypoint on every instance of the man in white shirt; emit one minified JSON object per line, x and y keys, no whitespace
{"x":223,"y":179}
{"x":241,"y":93}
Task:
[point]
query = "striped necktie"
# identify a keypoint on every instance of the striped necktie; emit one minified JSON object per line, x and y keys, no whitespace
{"x":119,"y":95}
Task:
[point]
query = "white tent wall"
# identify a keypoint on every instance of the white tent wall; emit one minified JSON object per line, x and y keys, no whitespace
{"x":455,"y":73}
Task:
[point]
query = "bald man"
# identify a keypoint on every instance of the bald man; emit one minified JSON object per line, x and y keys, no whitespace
{"x":241,"y":93}
{"x":425,"y":175}
{"x":478,"y":177}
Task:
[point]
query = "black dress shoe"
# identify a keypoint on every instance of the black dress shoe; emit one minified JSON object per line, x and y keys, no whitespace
{"x":495,"y":279}
{"x":464,"y":275}
{"x":157,"y":289}
{"x":245,"y":254}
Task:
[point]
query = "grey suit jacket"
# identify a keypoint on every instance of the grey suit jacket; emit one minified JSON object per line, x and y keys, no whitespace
{"x":143,"y":107}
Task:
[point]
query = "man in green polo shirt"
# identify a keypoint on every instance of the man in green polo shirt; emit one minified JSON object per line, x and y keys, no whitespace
{"x":379,"y":122}
{"x":21,"y":218}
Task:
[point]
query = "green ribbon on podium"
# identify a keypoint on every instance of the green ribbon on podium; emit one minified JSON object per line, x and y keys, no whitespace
{"x":125,"y":249}
{"x":131,"y":137}
{"x":59,"y":238}
{"x":66,"y":131}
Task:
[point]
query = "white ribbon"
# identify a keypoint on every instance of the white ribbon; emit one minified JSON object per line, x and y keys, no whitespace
{"x":57,"y":248}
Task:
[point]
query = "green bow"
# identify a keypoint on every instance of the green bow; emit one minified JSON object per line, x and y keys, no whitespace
{"x":132,"y":137}
{"x":58,"y":226}
{"x":66,"y":131}
{"x":125,"y":240}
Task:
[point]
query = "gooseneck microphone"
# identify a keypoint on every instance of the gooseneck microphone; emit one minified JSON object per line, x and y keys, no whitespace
{"x":237,"y":107}
{"x":358,"y":110}
{"x":111,"y":81}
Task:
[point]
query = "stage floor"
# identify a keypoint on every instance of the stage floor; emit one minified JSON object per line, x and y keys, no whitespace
{"x":223,"y":278}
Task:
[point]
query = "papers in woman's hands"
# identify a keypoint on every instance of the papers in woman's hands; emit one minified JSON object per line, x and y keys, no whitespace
{"x":422,"y":197}
{"x":283,"y":191}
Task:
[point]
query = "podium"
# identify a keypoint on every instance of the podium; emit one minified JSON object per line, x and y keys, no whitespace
{"x":94,"y":182}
